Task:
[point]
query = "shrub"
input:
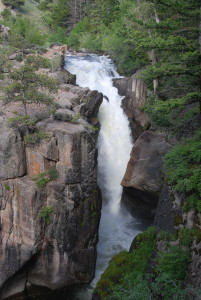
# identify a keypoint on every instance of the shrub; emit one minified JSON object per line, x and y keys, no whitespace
{"x":25,"y":33}
{"x":125,"y":267}
{"x":7,"y":186}
{"x":90,"y":41}
{"x":21,"y":121}
{"x":53,"y":173}
{"x":93,"y":128}
{"x":75,"y":118}
{"x":41,"y":180}
{"x":36,"y":137}
{"x":46,"y":213}
{"x":56,"y":63}
{"x":183,"y":170}
{"x":58,"y":36}
{"x":38,"y":61}
{"x":173,"y":263}
{"x":6,"y":14}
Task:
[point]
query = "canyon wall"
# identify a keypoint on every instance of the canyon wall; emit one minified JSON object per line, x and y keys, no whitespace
{"x":145,"y":190}
{"x":49,"y":234}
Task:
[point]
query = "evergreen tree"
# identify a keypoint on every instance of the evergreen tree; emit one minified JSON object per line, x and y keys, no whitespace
{"x":26,"y":84}
{"x":60,"y":13}
{"x":175,"y":39}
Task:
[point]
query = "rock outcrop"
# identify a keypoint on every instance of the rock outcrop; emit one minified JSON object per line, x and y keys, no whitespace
{"x":49,"y":234}
{"x":143,"y":179}
{"x":144,"y":170}
{"x":134,"y":90}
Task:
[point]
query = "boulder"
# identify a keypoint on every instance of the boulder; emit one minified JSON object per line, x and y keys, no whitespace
{"x":90,"y":104}
{"x":144,"y":169}
{"x":64,"y":76}
{"x":143,"y":180}
{"x":64,"y":115}
{"x":4,"y":31}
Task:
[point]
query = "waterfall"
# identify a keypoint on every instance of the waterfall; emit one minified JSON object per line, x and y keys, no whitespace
{"x":117,"y":227}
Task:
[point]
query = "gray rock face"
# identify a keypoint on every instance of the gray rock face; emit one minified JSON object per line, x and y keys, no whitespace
{"x":80,"y":101}
{"x":134,"y":90}
{"x":143,"y":180}
{"x":144,"y":170}
{"x":195,"y":265}
{"x":12,"y":152}
{"x":61,"y":251}
{"x":167,"y":211}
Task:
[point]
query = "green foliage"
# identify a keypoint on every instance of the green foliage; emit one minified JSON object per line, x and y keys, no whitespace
{"x":166,"y":236}
{"x":58,"y":35}
{"x":56,"y":13}
{"x":185,"y":236}
{"x":13,"y":3}
{"x":166,"y":288}
{"x":25,"y":33}
{"x":41,"y":180}
{"x":7,"y":186}
{"x":36,"y":137}
{"x":46,"y":213}
{"x":75,"y":118}
{"x":183,"y":170}
{"x":38,"y":61}
{"x":127,"y":264}
{"x":26,"y":84}
{"x":53,"y":173}
{"x":6,"y":14}
{"x":167,"y":278}
{"x":60,"y":13}
{"x":173,"y":263}
{"x":21,"y":121}
{"x":5,"y":65}
{"x":56,"y":63}
{"x":90,"y":41}
{"x":93,"y":128}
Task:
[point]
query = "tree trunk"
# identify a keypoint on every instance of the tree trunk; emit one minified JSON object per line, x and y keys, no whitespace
{"x":152,"y":54}
{"x":200,"y":57}
{"x":25,"y":108}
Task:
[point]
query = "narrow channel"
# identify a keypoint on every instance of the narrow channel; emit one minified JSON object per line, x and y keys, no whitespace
{"x":117,"y":227}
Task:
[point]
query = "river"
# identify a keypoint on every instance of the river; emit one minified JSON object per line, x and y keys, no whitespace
{"x":117,"y":227}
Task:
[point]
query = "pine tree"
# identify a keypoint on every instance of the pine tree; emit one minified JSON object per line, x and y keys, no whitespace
{"x":60,"y":13}
{"x":175,"y":39}
{"x":26,"y":84}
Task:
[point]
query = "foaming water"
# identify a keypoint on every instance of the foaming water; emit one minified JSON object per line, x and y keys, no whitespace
{"x":117,"y":227}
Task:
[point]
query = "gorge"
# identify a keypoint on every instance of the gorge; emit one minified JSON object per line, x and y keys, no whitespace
{"x":99,"y":151}
{"x":117,"y":227}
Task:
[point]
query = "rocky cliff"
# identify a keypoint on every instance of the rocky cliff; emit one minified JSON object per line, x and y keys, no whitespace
{"x":134,"y":91}
{"x":143,"y":179}
{"x":49,"y":233}
{"x":145,"y":190}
